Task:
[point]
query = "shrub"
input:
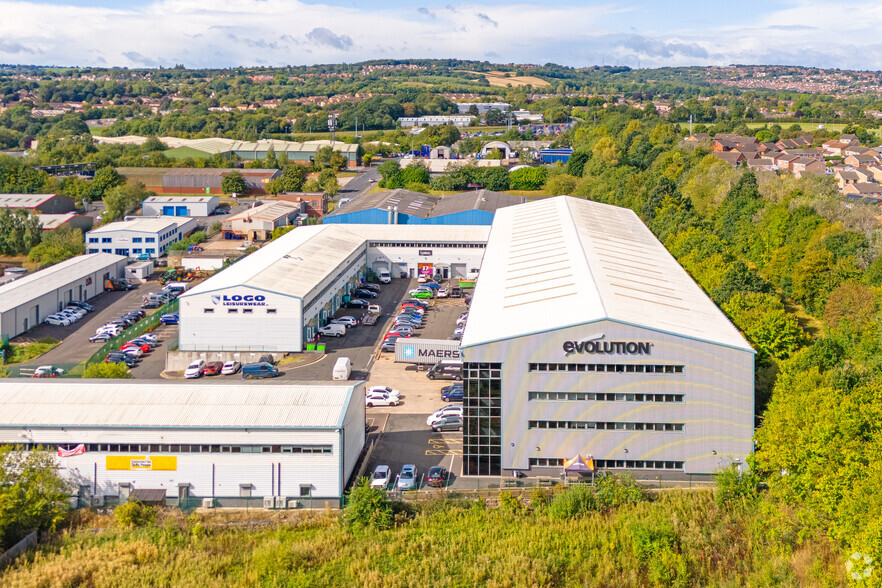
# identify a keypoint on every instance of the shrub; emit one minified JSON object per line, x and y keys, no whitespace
{"x":509,"y":503}
{"x":575,"y":501}
{"x":528,"y":178}
{"x":134,"y":514}
{"x":613,"y":491}
{"x":368,"y":508}
{"x":107,"y":370}
{"x":735,"y":487}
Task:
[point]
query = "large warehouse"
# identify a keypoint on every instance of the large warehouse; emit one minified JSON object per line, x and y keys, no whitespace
{"x":279,"y":296}
{"x":192,"y":440}
{"x":405,"y":207}
{"x":586,"y":337}
{"x":27,"y":301}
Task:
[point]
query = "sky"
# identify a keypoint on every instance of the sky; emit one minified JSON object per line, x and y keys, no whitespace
{"x":636,"y":33}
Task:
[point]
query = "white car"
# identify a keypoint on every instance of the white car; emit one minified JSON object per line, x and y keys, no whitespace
{"x":230,"y":368}
{"x":133,"y":351}
{"x":450,"y":409}
{"x":195,"y":369}
{"x":381,"y":477}
{"x":384,"y":390}
{"x":74,"y":317}
{"x":80,"y":312}
{"x":407,"y":478}
{"x":375,"y":309}
{"x":54,"y":319}
{"x":349,"y":321}
{"x":371,"y":400}
{"x":442,"y":293}
{"x":150,"y":337}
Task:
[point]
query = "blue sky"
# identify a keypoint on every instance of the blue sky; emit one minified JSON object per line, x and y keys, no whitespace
{"x":224,"y":33}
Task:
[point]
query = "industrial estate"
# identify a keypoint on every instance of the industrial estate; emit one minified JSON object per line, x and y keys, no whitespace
{"x":388,"y":296}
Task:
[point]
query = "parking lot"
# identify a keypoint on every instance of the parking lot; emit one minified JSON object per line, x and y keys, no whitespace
{"x":75,"y":346}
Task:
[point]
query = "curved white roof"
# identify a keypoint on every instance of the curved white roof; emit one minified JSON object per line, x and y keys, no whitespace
{"x":563,"y":261}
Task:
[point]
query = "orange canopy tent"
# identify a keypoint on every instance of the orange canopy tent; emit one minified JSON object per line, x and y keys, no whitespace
{"x":579,"y":464}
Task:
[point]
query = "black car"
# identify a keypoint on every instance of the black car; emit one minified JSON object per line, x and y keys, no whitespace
{"x":365,"y":293}
{"x":371,"y":287}
{"x":436,"y":477}
{"x":356,"y":303}
{"x":119,"y":357}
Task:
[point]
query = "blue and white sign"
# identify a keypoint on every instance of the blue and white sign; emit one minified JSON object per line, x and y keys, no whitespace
{"x":408,"y":352}
{"x":238,"y":299}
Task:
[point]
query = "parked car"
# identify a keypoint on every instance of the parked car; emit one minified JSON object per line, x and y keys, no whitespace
{"x":452,"y":396}
{"x":120,"y":357}
{"x":389,"y":343}
{"x":195,"y":369}
{"x":213,"y":368}
{"x":100,"y":338}
{"x":362,"y":293}
{"x":371,"y":400}
{"x":84,"y":305}
{"x":78,"y":312}
{"x":381,"y":476}
{"x":132,"y":351}
{"x":384,"y":390}
{"x":333,"y":330}
{"x":143,"y":348}
{"x":399,"y":331}
{"x":230,"y":368}
{"x":455,"y":292}
{"x":375,"y":309}
{"x":456,"y":337}
{"x":169,"y":319}
{"x":420,"y":294}
{"x":259,"y":370}
{"x":437,"y":477}
{"x":356,"y":303}
{"x":349,"y":321}
{"x":450,"y":409}
{"x":58,"y":320}
{"x":450,"y":422}
{"x":47,"y":371}
{"x":151,"y":343}
{"x":442,"y":293}
{"x":433,"y":285}
{"x":371,"y":287}
{"x":407,"y":479}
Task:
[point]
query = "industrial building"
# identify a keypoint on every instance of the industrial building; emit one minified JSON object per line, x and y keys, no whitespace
{"x":404,"y":207}
{"x":281,"y":294}
{"x":179,"y":205}
{"x":257,"y":224}
{"x":225,"y":442}
{"x":27,"y":301}
{"x":71,"y":220}
{"x":555,"y":155}
{"x":206,"y":181}
{"x":296,"y":152}
{"x":312,"y":204}
{"x":482,"y":107}
{"x":138,"y":236}
{"x":586,"y":338}
{"x":435,"y":120}
{"x":39,"y":203}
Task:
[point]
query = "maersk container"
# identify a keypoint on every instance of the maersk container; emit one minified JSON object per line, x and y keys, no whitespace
{"x":425,"y":351}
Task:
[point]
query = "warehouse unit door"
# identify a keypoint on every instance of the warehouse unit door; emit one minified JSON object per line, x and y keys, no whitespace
{"x":181,"y":211}
{"x":168,"y":211}
{"x":457,"y":270}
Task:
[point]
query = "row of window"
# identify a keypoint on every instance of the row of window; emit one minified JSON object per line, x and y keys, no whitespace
{"x":236,"y":311}
{"x":635,"y":464}
{"x":610,"y":426}
{"x":124,"y":251}
{"x":162,"y":448}
{"x":429,"y":245}
{"x":628,"y":368}
{"x":134,"y":240}
{"x":605,"y":397}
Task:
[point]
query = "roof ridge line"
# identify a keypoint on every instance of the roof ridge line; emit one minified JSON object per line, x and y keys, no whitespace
{"x":572,"y":220}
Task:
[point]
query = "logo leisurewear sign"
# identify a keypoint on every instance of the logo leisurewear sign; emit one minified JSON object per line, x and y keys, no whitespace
{"x":239,"y":299}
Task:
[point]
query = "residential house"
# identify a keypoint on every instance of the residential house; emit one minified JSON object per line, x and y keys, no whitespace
{"x":850,"y":139}
{"x":810,"y":153}
{"x":835,"y":148}
{"x":861,"y":160}
{"x":876,"y":173}
{"x":845,"y":177}
{"x":733,"y":158}
{"x":807,"y":166}
{"x":698,"y":137}
{"x":313,"y":204}
{"x":795,"y":143}
{"x":864,"y":190}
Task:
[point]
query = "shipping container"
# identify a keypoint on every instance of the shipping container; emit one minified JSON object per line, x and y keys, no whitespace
{"x":425,"y":351}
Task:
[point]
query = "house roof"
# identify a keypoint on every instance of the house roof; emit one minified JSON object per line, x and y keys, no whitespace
{"x":31,"y":286}
{"x":866,"y":187}
{"x":162,"y":403}
{"x":597,"y":261}
{"x":270,"y":211}
{"x":53,"y":221}
{"x":486,"y":200}
{"x":730,"y":157}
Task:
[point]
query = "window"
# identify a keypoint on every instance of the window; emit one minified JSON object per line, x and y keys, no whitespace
{"x":232,"y":311}
{"x":618,"y":368}
{"x":208,"y":310}
{"x":247,"y":310}
{"x":638,"y":464}
{"x":607,"y":426}
{"x":136,"y":239}
{"x":93,"y":239}
{"x":305,"y":490}
{"x":106,"y":240}
{"x":93,"y":251}
{"x":482,"y":434}
{"x":546,"y":461}
{"x":271,"y":311}
{"x":603,"y":397}
{"x":150,"y":239}
{"x":150,"y":251}
{"x":106,"y":251}
{"x":136,"y":251}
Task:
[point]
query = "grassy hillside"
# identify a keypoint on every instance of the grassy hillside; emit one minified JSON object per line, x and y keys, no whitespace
{"x":678,"y":539}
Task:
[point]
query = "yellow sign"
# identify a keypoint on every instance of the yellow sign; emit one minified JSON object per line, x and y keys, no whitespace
{"x":166,"y":463}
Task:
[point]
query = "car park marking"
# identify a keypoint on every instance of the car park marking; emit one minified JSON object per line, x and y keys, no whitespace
{"x":444,"y":452}
{"x":451,"y":440}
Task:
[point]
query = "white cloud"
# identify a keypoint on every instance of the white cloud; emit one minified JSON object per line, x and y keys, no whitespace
{"x":279,"y":32}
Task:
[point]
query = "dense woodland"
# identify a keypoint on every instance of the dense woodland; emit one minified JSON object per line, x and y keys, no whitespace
{"x":795,"y":268}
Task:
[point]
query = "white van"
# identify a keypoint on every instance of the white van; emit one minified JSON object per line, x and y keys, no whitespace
{"x":342,"y":369}
{"x":333,"y":330}
{"x":383,"y":276}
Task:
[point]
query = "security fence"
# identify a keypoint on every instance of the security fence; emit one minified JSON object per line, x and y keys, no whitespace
{"x":145,"y":325}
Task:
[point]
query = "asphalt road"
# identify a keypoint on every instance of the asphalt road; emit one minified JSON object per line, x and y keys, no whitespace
{"x":359,"y":184}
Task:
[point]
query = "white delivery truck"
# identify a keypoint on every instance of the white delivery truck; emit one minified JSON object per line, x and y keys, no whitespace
{"x":383,"y":276}
{"x":342,"y":369}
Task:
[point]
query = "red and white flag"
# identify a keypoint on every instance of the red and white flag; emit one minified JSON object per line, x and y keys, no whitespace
{"x":72,"y":452}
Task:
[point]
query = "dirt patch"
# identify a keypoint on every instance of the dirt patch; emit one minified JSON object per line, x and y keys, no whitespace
{"x":497,"y":78}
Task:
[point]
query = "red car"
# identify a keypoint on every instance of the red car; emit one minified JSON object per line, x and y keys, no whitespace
{"x":144,"y":348}
{"x":213,"y":368}
{"x":396,"y":334}
{"x":437,"y":477}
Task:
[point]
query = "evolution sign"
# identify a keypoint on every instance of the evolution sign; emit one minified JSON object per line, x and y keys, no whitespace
{"x":596,"y":346}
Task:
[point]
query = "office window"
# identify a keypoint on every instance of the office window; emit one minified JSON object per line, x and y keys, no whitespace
{"x":93,"y":239}
{"x":208,"y":310}
{"x":136,"y":239}
{"x":93,"y":251}
{"x":106,"y":240}
{"x":149,"y":239}
{"x":482,"y":434}
{"x":106,"y":251}
{"x":136,"y":251}
{"x":150,"y":251}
